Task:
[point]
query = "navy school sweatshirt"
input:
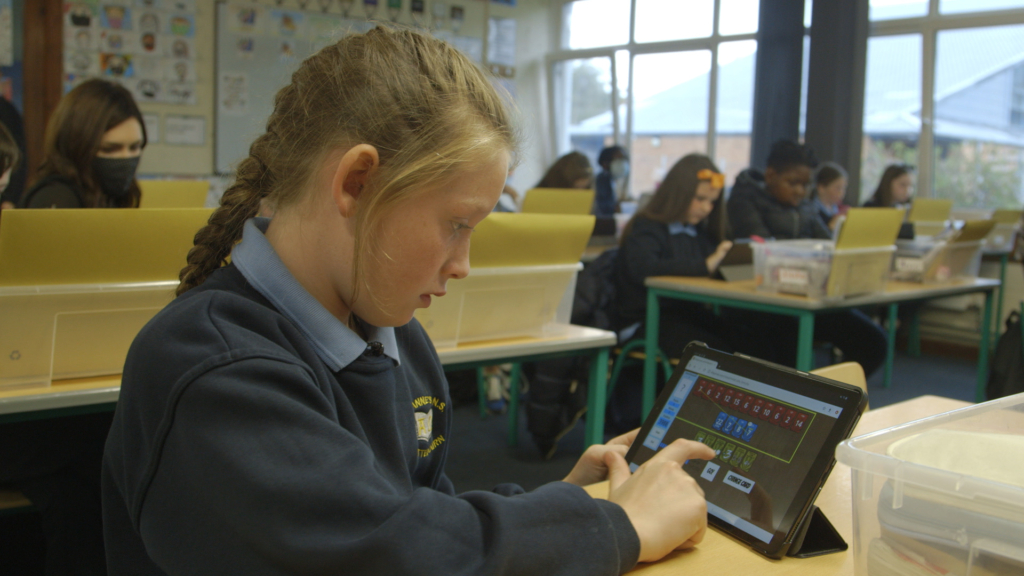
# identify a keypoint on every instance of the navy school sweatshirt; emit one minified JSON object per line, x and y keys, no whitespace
{"x":236,"y":450}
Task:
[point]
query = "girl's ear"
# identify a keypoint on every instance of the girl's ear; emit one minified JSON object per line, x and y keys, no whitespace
{"x":351,"y":175}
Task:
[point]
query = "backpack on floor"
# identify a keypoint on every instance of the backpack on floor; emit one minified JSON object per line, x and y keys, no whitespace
{"x":1007,"y":374}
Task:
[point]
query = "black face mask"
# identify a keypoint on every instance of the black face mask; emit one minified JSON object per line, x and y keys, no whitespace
{"x":115,"y":175}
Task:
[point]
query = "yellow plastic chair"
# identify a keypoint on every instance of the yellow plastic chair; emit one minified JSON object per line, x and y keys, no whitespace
{"x":173,"y":193}
{"x":847,"y":373}
{"x":558,"y":201}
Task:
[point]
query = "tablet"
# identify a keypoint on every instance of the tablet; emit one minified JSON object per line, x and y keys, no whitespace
{"x":774,"y":431}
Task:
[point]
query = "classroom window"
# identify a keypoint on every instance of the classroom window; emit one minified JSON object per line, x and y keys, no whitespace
{"x":670,"y":113}
{"x":663,"y":20}
{"x":962,"y":6}
{"x":595,"y":23}
{"x":734,"y":114}
{"x":583,"y":93}
{"x":892,"y":106}
{"x":896,"y":9}
{"x":738,"y":17}
{"x":978,"y":142}
{"x":661,"y":106}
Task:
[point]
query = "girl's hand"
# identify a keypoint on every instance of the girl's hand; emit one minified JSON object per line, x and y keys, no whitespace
{"x":664,"y":503}
{"x":716,"y":258}
{"x":591,"y":467}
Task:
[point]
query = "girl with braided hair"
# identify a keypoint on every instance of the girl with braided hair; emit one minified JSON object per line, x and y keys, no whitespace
{"x":287,"y":415}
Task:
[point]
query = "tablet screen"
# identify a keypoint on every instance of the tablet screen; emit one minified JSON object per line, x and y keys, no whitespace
{"x":774,"y":433}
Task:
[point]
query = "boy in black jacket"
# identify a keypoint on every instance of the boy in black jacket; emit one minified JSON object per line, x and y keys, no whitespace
{"x":777,"y":204}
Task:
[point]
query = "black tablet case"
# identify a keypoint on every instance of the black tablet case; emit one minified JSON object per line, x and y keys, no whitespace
{"x":816,"y":537}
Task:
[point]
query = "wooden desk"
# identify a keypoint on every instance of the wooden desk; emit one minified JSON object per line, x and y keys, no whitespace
{"x":575,"y":341}
{"x":62,"y":398}
{"x":744,"y":294}
{"x":720,"y":554}
{"x":85,"y":395}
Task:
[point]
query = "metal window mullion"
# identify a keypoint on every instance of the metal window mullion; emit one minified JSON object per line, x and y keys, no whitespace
{"x":713,"y":82}
{"x":925,"y":143}
{"x":946,"y":22}
{"x":615,"y":100}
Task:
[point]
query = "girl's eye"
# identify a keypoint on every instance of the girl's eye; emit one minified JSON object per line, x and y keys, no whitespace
{"x":459,"y":227}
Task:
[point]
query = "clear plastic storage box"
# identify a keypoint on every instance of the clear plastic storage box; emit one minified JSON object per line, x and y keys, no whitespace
{"x":73,"y":331}
{"x":502,"y":302}
{"x":936,"y":260}
{"x":1002,"y":237}
{"x":941,"y":496}
{"x":816,"y":269}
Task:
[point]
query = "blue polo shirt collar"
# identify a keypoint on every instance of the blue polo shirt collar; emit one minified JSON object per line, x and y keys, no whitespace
{"x":680,"y":228}
{"x":335,"y":343}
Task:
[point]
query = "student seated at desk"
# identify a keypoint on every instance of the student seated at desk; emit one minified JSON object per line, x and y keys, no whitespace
{"x":775,"y":204}
{"x":777,"y":208}
{"x":894,"y":189}
{"x":92,"y":147}
{"x":610,"y":180}
{"x":680,"y":232}
{"x":572,"y":170}
{"x":829,"y":192}
{"x":287,"y":415}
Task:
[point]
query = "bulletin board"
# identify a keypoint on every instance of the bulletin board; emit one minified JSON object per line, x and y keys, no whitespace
{"x":259,"y":46}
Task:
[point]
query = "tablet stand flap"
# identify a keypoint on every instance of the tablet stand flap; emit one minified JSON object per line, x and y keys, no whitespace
{"x":816,"y":536}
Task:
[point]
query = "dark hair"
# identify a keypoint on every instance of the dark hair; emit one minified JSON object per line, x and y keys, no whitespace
{"x":827,"y":173}
{"x":604,"y":159}
{"x":426,"y":108}
{"x":74,"y":134}
{"x":883,"y":194}
{"x":566,"y":171}
{"x":9,"y":152}
{"x":671,"y":201}
{"x":786,"y":154}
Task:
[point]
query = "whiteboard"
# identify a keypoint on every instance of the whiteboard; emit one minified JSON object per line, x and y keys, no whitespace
{"x":258,"y":49}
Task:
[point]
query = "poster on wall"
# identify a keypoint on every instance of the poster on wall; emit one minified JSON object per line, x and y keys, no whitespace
{"x":147,"y":45}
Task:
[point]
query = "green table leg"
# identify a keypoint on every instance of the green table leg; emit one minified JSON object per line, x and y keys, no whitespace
{"x":1003,"y":260}
{"x":650,"y":352}
{"x":979,"y":391}
{"x":596,"y":399}
{"x":914,"y":333}
{"x":512,"y":437}
{"x":805,"y":342}
{"x":481,"y":391}
{"x":890,"y":348}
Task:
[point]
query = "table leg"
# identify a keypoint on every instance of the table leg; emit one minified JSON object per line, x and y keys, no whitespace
{"x":914,"y":333}
{"x":1003,"y":260}
{"x":596,"y":398}
{"x":481,"y":392}
{"x":890,"y":347}
{"x":805,"y":342}
{"x":512,"y":437}
{"x":650,"y":353}
{"x":979,"y":391}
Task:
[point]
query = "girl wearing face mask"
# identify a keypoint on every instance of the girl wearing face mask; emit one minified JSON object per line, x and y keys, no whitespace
{"x":92,"y":148}
{"x":614,"y":166}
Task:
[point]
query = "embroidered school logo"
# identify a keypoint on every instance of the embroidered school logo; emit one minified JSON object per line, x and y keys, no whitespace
{"x":424,"y":407}
{"x":425,"y":425}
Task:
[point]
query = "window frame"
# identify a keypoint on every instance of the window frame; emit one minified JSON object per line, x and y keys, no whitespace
{"x":928,"y":27}
{"x":634,"y":49}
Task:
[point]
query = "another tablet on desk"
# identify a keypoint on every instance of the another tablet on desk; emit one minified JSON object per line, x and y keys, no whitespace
{"x":774,"y":430}
{"x":738,"y":263}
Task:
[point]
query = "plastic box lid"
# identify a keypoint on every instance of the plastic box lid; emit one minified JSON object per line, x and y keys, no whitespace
{"x":909,"y":453}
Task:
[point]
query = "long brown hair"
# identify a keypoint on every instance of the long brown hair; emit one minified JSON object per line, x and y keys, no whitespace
{"x":883,"y":194}
{"x":672,"y":200}
{"x":427,"y":109}
{"x":566,"y":171}
{"x":75,"y":131}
